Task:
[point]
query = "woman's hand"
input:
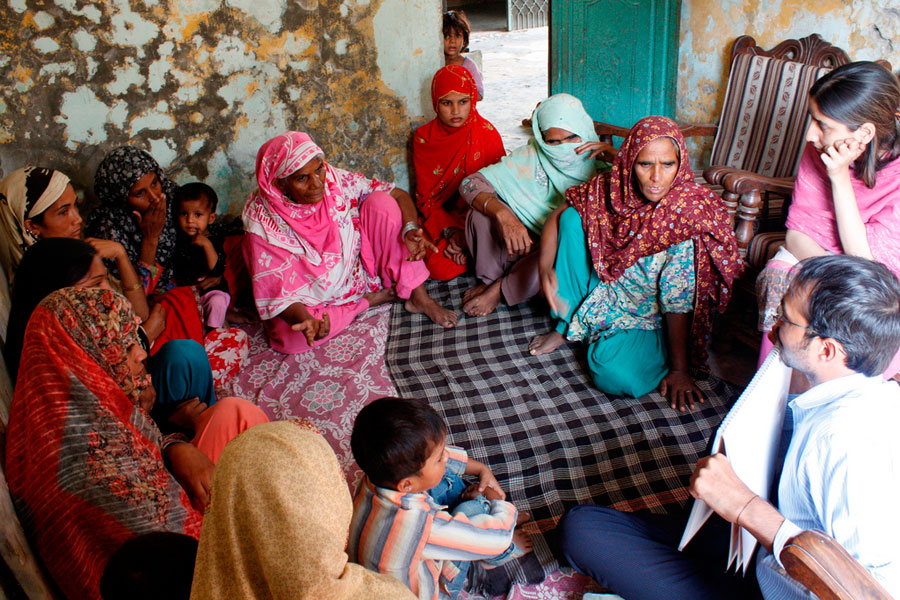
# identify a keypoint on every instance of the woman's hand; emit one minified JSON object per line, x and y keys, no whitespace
{"x":107,"y":248}
{"x":680,"y":390}
{"x":456,"y":244}
{"x":193,"y":470}
{"x":418,"y":244}
{"x":839,"y":156}
{"x":598,"y":150}
{"x":152,"y":221}
{"x":155,"y":323}
{"x":313,"y":328}
{"x":515,"y":235}
{"x":206,"y":283}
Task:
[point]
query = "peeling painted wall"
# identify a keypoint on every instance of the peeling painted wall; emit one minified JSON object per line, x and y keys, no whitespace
{"x":865,"y":29}
{"x":201,"y":84}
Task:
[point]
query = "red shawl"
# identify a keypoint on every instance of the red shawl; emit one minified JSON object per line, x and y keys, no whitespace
{"x":83,"y":461}
{"x":444,"y":156}
{"x":622,"y":226}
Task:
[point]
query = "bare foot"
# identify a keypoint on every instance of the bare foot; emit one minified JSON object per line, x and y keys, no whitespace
{"x":546,"y":343}
{"x":381,"y":296}
{"x":420,"y":302}
{"x":522,"y":540}
{"x":482,"y":302}
{"x":473,"y":292}
{"x":523,"y":517}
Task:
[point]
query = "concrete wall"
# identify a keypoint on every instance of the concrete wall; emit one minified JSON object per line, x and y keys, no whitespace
{"x":202,"y":83}
{"x":865,"y":29}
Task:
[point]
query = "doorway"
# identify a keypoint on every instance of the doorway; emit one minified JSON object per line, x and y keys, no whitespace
{"x":514,"y":65}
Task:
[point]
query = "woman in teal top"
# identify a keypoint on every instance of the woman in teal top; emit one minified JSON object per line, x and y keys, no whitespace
{"x":512,"y":199}
{"x":634,"y":263}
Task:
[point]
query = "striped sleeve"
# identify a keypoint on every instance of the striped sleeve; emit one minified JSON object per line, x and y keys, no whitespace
{"x":458,"y":537}
{"x":457,"y":460}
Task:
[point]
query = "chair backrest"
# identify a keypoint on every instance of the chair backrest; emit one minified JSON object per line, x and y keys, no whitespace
{"x":764,"y":114}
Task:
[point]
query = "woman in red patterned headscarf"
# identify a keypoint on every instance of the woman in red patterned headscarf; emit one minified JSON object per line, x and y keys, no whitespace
{"x":456,"y":143}
{"x":642,"y":248}
{"x":84,"y":460}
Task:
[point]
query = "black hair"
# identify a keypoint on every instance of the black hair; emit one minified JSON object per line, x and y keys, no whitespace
{"x":47,"y":265}
{"x":154,"y":565}
{"x":863,"y":92}
{"x":855,"y":301}
{"x":455,"y":20}
{"x":197,"y":190}
{"x":392,"y":438}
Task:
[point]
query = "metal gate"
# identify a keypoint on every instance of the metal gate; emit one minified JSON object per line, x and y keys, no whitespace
{"x":525,"y":14}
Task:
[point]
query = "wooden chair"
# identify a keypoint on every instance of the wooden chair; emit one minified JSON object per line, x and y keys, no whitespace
{"x":820,"y":564}
{"x":760,"y":135}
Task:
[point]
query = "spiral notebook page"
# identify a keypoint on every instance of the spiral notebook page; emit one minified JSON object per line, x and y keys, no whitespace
{"x":749,"y":436}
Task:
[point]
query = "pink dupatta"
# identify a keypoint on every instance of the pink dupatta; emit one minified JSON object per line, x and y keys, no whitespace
{"x":314,"y":255}
{"x":812,"y":208}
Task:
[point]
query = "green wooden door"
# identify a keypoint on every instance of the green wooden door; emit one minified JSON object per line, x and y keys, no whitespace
{"x":620,"y":57}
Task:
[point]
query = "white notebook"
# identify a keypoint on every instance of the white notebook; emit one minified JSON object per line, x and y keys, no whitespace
{"x":749,"y":437}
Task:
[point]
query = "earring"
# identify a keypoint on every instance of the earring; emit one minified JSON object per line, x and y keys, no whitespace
{"x":33,"y":234}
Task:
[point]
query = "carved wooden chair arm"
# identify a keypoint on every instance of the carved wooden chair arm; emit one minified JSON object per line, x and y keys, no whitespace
{"x":823,"y":566}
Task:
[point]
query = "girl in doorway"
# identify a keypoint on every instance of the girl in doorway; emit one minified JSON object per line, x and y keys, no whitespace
{"x":456,"y":40}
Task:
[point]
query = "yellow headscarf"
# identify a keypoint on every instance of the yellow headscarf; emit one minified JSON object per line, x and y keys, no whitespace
{"x":278,"y":521}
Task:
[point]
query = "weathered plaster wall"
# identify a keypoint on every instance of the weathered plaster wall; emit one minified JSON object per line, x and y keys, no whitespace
{"x":865,"y":29}
{"x":202,"y":83}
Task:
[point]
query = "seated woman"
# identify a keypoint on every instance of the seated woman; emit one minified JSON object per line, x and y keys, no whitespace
{"x":847,"y":193}
{"x":278,"y":524}
{"x":632,"y":245}
{"x":456,"y":143}
{"x":186,"y":400}
{"x":40,"y":204}
{"x":326,"y":244}
{"x":180,"y":370}
{"x":84,"y":461}
{"x":512,"y":199}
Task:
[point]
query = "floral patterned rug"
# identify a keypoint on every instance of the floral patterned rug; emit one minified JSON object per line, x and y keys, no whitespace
{"x":328,"y":386}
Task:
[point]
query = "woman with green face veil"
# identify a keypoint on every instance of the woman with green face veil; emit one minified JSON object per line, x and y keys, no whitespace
{"x":512,"y":199}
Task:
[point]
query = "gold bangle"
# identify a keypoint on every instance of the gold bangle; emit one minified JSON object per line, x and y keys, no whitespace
{"x":133,"y":287}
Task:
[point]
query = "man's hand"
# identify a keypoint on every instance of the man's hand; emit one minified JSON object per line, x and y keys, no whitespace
{"x":680,"y":390}
{"x":715,"y":482}
{"x":193,"y":470}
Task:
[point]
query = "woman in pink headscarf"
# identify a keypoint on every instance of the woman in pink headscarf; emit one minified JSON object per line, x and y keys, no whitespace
{"x":326,"y":244}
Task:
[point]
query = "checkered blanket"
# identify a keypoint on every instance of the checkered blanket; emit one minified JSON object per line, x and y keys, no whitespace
{"x":552,"y":439}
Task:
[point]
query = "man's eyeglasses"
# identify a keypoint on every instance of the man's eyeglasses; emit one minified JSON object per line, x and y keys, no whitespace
{"x":780,"y":316}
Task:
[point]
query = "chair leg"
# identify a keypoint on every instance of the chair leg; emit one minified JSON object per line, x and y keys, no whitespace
{"x":747,"y":214}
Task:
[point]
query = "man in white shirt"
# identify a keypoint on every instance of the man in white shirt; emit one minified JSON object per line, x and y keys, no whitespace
{"x":839,"y":326}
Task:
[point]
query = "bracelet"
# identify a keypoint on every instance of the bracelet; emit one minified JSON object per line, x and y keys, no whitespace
{"x":133,"y":287}
{"x":738,"y":520}
{"x":410,"y":226}
{"x":484,"y":206}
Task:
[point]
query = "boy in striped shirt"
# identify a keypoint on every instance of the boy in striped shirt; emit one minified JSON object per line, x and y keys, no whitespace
{"x":413,"y":516}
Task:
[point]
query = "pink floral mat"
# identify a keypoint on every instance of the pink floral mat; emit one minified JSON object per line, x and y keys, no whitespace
{"x":328,"y":386}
